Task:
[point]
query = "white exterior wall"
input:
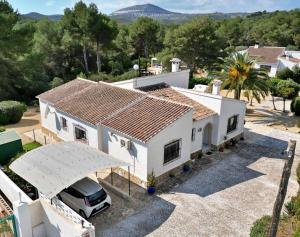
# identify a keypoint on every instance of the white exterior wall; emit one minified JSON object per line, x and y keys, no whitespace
{"x":137,"y":155}
{"x":274,"y":68}
{"x":180,"y":129}
{"x":178,"y":79}
{"x":46,"y":221}
{"x":199,"y":125}
{"x":11,"y":190}
{"x":283,"y":63}
{"x":51,"y":121}
{"x":225,"y":108}
{"x":228,"y":109}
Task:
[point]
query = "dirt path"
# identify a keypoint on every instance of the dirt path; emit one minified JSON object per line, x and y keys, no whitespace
{"x":30,"y":120}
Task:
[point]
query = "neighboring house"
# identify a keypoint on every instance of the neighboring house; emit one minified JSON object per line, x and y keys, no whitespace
{"x":154,"y":126}
{"x":273,"y":59}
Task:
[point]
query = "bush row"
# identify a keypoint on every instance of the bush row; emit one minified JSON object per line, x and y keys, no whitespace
{"x":11,"y":112}
{"x":295,"y":106}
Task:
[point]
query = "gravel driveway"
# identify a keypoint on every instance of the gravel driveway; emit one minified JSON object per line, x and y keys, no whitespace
{"x":222,"y":200}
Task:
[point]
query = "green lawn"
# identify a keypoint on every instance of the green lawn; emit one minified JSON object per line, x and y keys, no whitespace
{"x":30,"y":146}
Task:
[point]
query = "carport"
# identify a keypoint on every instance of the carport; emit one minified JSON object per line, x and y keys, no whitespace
{"x":54,"y":167}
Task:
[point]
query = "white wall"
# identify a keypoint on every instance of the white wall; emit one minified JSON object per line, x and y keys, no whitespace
{"x":45,"y":217}
{"x":51,"y":120}
{"x":283,"y":63}
{"x":137,"y":155}
{"x":180,"y":129}
{"x":178,"y":79}
{"x":199,"y":125}
{"x":225,"y":108}
{"x":274,"y":68}
{"x":11,"y":190}
{"x":228,"y":109}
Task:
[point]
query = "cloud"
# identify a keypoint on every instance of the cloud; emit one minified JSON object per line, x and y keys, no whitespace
{"x":50,"y":3}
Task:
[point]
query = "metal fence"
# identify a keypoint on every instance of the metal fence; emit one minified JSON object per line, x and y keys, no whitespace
{"x":8,"y":226}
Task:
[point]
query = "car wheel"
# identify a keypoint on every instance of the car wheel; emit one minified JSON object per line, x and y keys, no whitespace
{"x":59,"y":197}
{"x":82,"y":214}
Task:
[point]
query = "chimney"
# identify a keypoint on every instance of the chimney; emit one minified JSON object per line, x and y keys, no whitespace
{"x":216,"y":87}
{"x":175,"y":64}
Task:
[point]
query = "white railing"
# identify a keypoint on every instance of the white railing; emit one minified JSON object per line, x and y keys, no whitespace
{"x":66,"y":211}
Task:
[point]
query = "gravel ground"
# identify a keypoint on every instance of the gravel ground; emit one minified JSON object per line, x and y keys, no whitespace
{"x":222,"y":200}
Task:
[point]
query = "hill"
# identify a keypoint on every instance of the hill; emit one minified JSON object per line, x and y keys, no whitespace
{"x":38,"y":16}
{"x":130,"y":14}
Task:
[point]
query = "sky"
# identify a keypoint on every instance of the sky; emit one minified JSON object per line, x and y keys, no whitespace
{"x":184,"y":6}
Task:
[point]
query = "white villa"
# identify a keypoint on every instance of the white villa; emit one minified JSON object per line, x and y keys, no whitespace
{"x":155,"y":123}
{"x":274,"y":58}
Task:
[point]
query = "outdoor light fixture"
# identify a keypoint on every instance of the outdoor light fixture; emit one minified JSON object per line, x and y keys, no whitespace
{"x":136,"y":67}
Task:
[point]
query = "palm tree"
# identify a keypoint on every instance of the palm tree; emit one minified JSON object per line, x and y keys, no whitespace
{"x":239,"y":74}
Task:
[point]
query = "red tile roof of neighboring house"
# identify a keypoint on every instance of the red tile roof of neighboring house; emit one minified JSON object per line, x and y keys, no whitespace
{"x":133,"y":113}
{"x":291,"y":59}
{"x":165,"y":92}
{"x":267,"y":55}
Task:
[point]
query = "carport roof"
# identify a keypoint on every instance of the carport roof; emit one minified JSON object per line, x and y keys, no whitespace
{"x":54,"y":167}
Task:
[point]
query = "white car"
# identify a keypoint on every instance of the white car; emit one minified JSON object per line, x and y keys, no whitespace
{"x":86,"y":197}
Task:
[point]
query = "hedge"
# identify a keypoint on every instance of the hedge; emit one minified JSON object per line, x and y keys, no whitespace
{"x":295,"y":106}
{"x":11,"y":112}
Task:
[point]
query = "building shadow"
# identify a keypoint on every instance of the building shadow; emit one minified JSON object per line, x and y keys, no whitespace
{"x":234,"y":168}
{"x":224,"y":172}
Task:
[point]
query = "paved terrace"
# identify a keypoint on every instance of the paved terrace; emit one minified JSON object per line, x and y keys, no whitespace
{"x":223,"y":199}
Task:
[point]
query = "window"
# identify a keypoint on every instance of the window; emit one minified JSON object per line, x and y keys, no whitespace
{"x":80,"y":134}
{"x":232,"y":123}
{"x":267,"y":68}
{"x":73,"y":192}
{"x":64,"y":123}
{"x":193,"y":134}
{"x":172,"y":151}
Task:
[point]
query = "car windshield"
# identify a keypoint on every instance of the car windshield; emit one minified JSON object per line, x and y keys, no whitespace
{"x":96,"y":196}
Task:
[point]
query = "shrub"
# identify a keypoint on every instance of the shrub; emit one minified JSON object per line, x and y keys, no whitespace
{"x":298,"y":173}
{"x":56,"y":82}
{"x":101,"y":77}
{"x":200,"y":80}
{"x":11,"y":111}
{"x":261,"y":227}
{"x":293,"y":206}
{"x":295,"y":106}
{"x":126,"y":76}
{"x":2,"y":129}
{"x":151,"y":179}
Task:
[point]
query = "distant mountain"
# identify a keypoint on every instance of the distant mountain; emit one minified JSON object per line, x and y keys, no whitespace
{"x":38,"y":16}
{"x":129,"y":14}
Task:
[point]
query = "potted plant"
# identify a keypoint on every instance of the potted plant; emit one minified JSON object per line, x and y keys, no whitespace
{"x":151,"y":183}
{"x":186,"y":168}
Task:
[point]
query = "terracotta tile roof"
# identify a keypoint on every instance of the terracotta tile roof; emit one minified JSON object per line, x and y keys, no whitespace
{"x":266,"y":54}
{"x":163,"y":91}
{"x":98,"y":102}
{"x":291,"y":59}
{"x":60,"y":92}
{"x":133,"y":113}
{"x":146,"y":118}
